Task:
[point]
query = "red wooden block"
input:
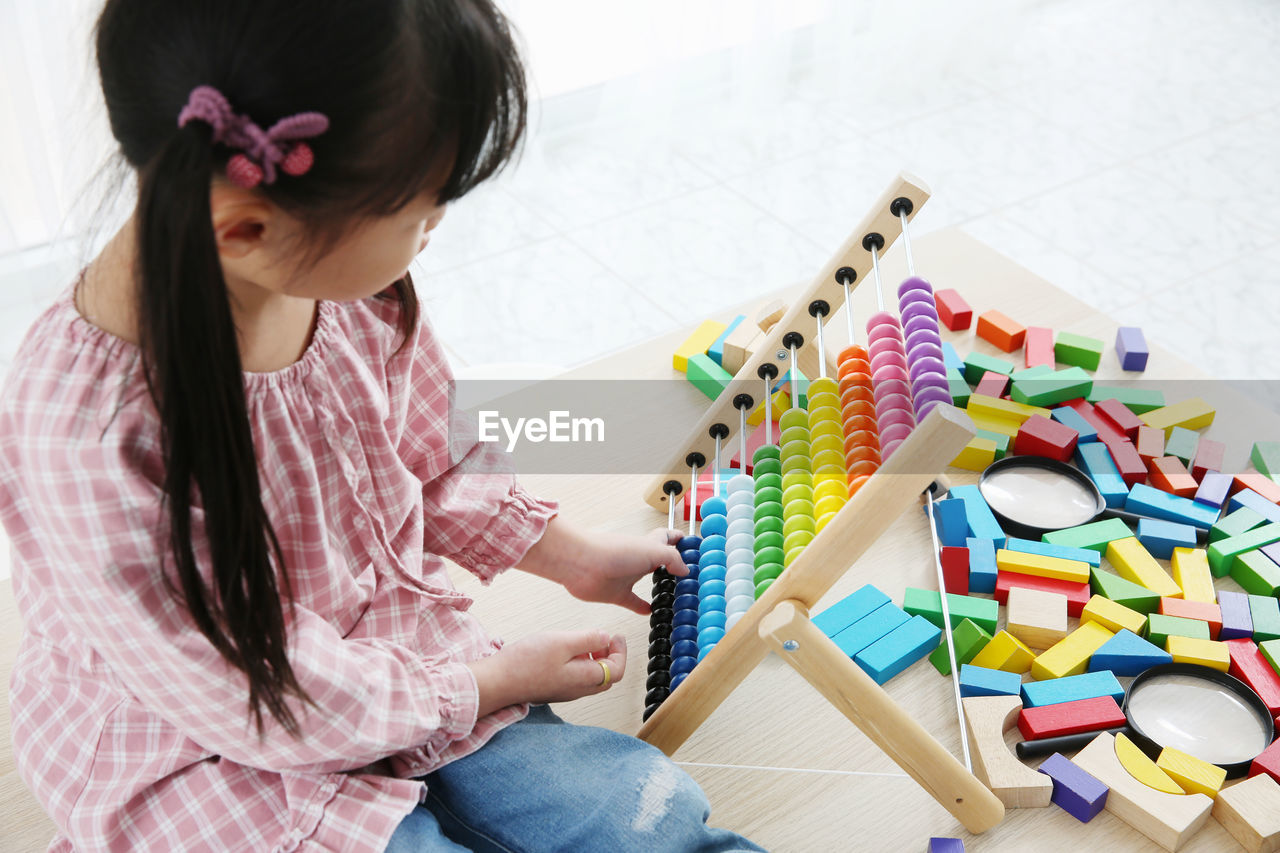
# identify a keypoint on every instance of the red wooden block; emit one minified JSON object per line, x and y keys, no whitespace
{"x":1203,"y":611}
{"x":1039,"y":341}
{"x":1260,"y":483}
{"x":999,"y":330}
{"x":955,"y":569}
{"x":1248,"y":665}
{"x":992,"y":384}
{"x":754,"y":442}
{"x":1106,"y":432}
{"x":1127,"y":460}
{"x":1168,"y":474}
{"x":1077,"y":594}
{"x":1041,"y":436}
{"x":953,"y":311}
{"x":1150,"y":443}
{"x":1068,"y":718}
{"x":1268,"y":762}
{"x":1120,"y":416}
{"x":1208,"y":457}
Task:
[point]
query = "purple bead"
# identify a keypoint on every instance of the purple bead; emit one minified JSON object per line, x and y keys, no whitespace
{"x":915,"y":282}
{"x":914,"y":310}
{"x":923,"y":336}
{"x":928,"y":398}
{"x":925,"y":349}
{"x":926,"y":367}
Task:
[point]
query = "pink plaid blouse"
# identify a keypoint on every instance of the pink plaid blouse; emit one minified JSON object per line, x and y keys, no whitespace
{"x":127,"y":724}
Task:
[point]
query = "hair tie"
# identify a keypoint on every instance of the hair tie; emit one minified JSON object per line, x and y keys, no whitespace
{"x":261,"y":151}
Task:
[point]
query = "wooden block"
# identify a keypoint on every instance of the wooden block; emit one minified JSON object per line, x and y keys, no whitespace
{"x":1052,"y":388}
{"x":1126,"y":654}
{"x":1265,"y":456}
{"x":1255,"y":502}
{"x":958,"y":388}
{"x":1002,"y":442}
{"x":982,"y":522}
{"x":1251,"y":665}
{"x":1070,"y":656}
{"x":849,"y":609}
{"x":1208,"y":458}
{"x":1078,"y":793}
{"x":1065,"y":552}
{"x":976,"y":365}
{"x":869,"y":628}
{"x":1039,"y":344}
{"x":1128,"y":462}
{"x":1256,"y":573}
{"x":1153,"y":503}
{"x":1268,"y":762}
{"x":1001,"y":331}
{"x":1041,"y":565}
{"x":1201,"y":611}
{"x":1271,"y":652}
{"x":1265,"y":613}
{"x":891,"y":654}
{"x":945,"y":845}
{"x":1191,"y":774}
{"x":955,"y":569}
{"x":1077,"y":594}
{"x":1070,"y":417}
{"x":1167,"y":819}
{"x":703,"y":336}
{"x":995,"y":407}
{"x":1068,"y":718}
{"x":953,"y":311}
{"x":1005,"y":652}
{"x":1214,"y":488}
{"x":778,"y":403}
{"x":1095,"y":460}
{"x":1149,"y":443}
{"x":1095,"y":535}
{"x":1131,"y":348}
{"x":1237,"y":620}
{"x":1191,"y":414}
{"x":1088,"y":685}
{"x":1131,"y":595}
{"x":977,"y":454}
{"x":1120,"y":417}
{"x":968,"y":639}
{"x":1190,"y":570}
{"x":1112,"y":615}
{"x":1182,"y":443}
{"x":1260,"y":483}
{"x":1160,"y":628}
{"x":951,"y":358}
{"x":1160,"y":537}
{"x":1042,"y":436}
{"x":987,"y":718}
{"x":707,"y":376}
{"x":928,"y":603}
{"x":1234,"y":523}
{"x":769,"y":313}
{"x":1142,"y":768}
{"x":739,"y":346}
{"x":980,"y":681}
{"x":1134,"y":563}
{"x":992,"y":384}
{"x":1250,"y":812}
{"x":716,"y":350}
{"x":982,"y":564}
{"x":1139,"y":400}
{"x":1168,"y":474}
{"x":1078,"y":350}
{"x":986,"y":423}
{"x":950,"y":519}
{"x":1038,"y":619}
{"x":1210,"y":653}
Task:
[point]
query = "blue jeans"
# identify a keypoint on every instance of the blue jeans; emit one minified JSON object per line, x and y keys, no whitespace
{"x":543,"y":784}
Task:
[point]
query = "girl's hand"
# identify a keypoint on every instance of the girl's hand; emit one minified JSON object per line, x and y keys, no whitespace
{"x":555,"y":666}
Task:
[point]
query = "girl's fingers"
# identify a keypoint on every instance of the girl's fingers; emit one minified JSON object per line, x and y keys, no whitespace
{"x":579,"y":644}
{"x":671,"y":558}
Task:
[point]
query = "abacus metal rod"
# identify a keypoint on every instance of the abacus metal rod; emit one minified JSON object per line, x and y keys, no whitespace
{"x":671,"y":512}
{"x":906,"y":243}
{"x":768,"y":420}
{"x":742,"y":436}
{"x":715,"y":470}
{"x":795,"y":378}
{"x":875,"y":269}
{"x":693,"y":500}
{"x":946,"y":627}
{"x":822,"y":362}
{"x":848,"y":312}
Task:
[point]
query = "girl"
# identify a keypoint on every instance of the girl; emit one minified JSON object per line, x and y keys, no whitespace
{"x":227,"y":466}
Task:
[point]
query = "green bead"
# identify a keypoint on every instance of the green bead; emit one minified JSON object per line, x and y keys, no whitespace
{"x":769,"y":524}
{"x":768,"y":539}
{"x":763,"y":452}
{"x":766,"y":572}
{"x":768,"y":495}
{"x":773,"y":508}
{"x":766,"y":556}
{"x":767,"y":466}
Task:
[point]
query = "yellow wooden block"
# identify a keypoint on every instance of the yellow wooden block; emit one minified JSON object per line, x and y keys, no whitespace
{"x":977,"y":454}
{"x":1070,"y":655}
{"x":1210,"y":653}
{"x":1040,"y":565}
{"x":1191,"y":572}
{"x":1113,"y":615}
{"x":1189,"y":414}
{"x":1193,"y":775}
{"x":997,"y":407}
{"x":1005,"y":652}
{"x":991,"y":423}
{"x":699,"y":342}
{"x":781,"y":401}
{"x":1143,"y":768}
{"x":1133,"y":562}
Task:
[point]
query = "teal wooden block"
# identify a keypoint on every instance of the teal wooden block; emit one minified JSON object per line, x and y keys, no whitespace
{"x":1139,"y":400}
{"x":951,"y":358}
{"x":1089,"y":685}
{"x":1049,"y":390}
{"x":1161,"y":537}
{"x":1031,"y":372}
{"x":891,"y":654}
{"x":982,"y":565}
{"x":984,"y":612}
{"x":968,"y":639}
{"x":707,"y":376}
{"x":1002,"y":441}
{"x":849,"y":609}
{"x":1068,"y":416}
{"x":1095,"y":535}
{"x":1095,"y":460}
{"x":980,"y":681}
{"x":976,"y":364}
{"x":1026,"y":546}
{"x":716,"y":350}
{"x":1077,"y":350}
{"x":960,"y":390}
{"x":1256,"y":573}
{"x":1126,"y":654}
{"x":1265,"y":611}
{"x":1236,"y":522}
{"x":1224,"y":552}
{"x":982,"y":521}
{"x":1153,"y":503}
{"x":869,"y":628}
{"x":1123,"y":591}
{"x":1161,"y":627}
{"x":1266,"y":458}
{"x":1182,"y":443}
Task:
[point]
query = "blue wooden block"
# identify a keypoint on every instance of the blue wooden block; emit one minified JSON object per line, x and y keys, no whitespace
{"x":849,"y":609}
{"x":1095,"y":460}
{"x":951,"y":358}
{"x":1131,"y":347}
{"x":1068,"y":416}
{"x":1075,"y":790}
{"x":1066,"y":552}
{"x":945,"y":845}
{"x":870,"y":628}
{"x":980,"y":681}
{"x":982,"y":565}
{"x":894,"y":652}
{"x":1255,"y":502}
{"x":1237,"y":618}
{"x":1151,"y":502}
{"x":1127,"y":654}
{"x":982,"y":522}
{"x":1161,"y":537}
{"x":950,"y":517}
{"x":716,"y":350}
{"x":1214,"y":489}
{"x":1055,"y":691}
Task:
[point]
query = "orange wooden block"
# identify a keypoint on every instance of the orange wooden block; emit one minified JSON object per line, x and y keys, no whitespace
{"x":1001,"y":331}
{"x":1168,"y":474}
{"x":1260,"y":483}
{"x":1150,"y":444}
{"x":1202,"y":611}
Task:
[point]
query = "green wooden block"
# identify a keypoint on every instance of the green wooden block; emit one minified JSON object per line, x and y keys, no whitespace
{"x":1256,"y":573}
{"x":1139,"y":400}
{"x":707,"y":376}
{"x":1235,"y":523}
{"x":1031,"y":372}
{"x":984,"y":612}
{"x":1095,"y":535}
{"x":1182,"y":443}
{"x":1161,"y":627}
{"x":1271,"y":651}
{"x":1123,"y":591}
{"x":968,"y":638}
{"x":976,"y":364}
{"x":1224,"y":552}
{"x":960,"y":390}
{"x":1265,"y":611}
{"x":1002,"y":441}
{"x":1266,"y":458}
{"x":1062,"y":385}
{"x":1077,"y":350}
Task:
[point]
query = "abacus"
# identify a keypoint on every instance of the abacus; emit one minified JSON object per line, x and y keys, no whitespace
{"x":840,"y":473}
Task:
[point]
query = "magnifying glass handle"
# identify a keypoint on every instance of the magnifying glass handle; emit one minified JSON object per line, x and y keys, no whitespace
{"x":1132,"y":519}
{"x":1062,"y":743}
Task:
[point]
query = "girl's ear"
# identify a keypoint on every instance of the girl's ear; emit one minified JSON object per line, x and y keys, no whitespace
{"x":241,"y":220}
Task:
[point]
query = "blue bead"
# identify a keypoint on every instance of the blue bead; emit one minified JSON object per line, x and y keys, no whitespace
{"x":707,"y":638}
{"x":676,"y":679}
{"x":713,"y":602}
{"x":683,"y":666}
{"x":685,"y":617}
{"x":684,"y":632}
{"x":712,"y":543}
{"x":686,"y":602}
{"x":684,"y":649}
{"x":690,"y":556}
{"x":689,"y":543}
{"x":710,"y":573}
{"x":710,"y":619}
{"x":710,"y":587}
{"x":713,"y":505}
{"x":712,"y":558}
{"x":714,"y":525}
{"x":687,"y":586}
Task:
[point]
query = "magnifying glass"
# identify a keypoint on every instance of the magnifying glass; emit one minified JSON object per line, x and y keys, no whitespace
{"x":1031,"y":496}
{"x":1201,"y":711}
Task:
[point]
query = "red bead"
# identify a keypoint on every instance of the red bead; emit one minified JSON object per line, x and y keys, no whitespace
{"x":299,"y":160}
{"x":243,"y":172}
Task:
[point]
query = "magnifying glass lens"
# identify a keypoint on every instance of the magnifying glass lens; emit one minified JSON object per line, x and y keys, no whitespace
{"x":1199,"y":717}
{"x":1039,"y":497}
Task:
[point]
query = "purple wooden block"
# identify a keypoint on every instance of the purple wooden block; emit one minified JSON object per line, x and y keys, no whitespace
{"x":1214,"y":488}
{"x":1131,"y":346}
{"x":1075,"y":790}
{"x":1237,"y":621}
{"x":945,"y":845}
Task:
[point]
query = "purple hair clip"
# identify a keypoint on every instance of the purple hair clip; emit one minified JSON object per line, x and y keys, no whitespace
{"x":262,"y":151}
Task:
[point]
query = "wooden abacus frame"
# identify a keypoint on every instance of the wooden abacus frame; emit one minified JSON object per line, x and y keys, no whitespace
{"x":779,"y":619}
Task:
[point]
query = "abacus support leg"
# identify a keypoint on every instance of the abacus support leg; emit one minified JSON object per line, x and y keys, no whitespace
{"x":788,"y":632}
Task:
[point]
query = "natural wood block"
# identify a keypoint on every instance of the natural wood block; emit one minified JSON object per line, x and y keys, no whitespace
{"x":739,"y":346}
{"x":987,"y":718}
{"x":1001,"y":331}
{"x":1037,"y":618}
{"x":1250,"y":811}
{"x":1077,"y":593}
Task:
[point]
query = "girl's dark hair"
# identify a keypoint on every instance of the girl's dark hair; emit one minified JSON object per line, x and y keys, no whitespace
{"x":416,"y":91}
